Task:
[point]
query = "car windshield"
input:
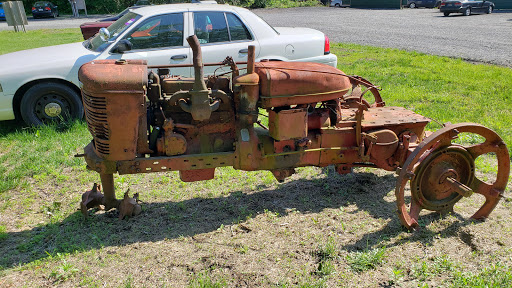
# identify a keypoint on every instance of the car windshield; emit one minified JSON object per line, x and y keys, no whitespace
{"x":124,"y":12}
{"x":41,"y":4}
{"x":98,"y":45}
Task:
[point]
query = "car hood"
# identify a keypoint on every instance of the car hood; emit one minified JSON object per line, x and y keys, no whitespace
{"x":53,"y":56}
{"x":59,"y":62}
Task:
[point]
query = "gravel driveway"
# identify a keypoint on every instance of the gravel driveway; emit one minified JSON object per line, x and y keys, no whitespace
{"x":485,"y":38}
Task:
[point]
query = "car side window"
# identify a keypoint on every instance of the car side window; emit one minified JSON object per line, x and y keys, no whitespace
{"x":158,"y":32}
{"x":210,"y":27}
{"x":237,"y":29}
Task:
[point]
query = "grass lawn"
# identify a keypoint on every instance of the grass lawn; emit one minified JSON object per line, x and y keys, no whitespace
{"x":12,"y":41}
{"x":317,"y":229}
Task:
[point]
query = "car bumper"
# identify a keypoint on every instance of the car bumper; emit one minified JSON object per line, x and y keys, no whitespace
{"x":329,"y":59}
{"x":451,"y":9}
{"x":42,"y":14}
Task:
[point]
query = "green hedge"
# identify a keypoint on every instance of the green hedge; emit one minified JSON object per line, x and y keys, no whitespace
{"x":116,"y":6}
{"x":93,"y":6}
{"x":503,"y":4}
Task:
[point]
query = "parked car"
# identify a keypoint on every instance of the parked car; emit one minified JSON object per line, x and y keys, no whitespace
{"x":44,"y":86}
{"x":466,"y":7}
{"x":90,"y":28}
{"x":44,"y":9}
{"x":421,"y":3}
{"x":336,"y":3}
{"x":2,"y":12}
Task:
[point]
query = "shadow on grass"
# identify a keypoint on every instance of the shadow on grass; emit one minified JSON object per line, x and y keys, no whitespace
{"x":17,"y":126}
{"x":170,"y":220}
{"x":11,"y":126}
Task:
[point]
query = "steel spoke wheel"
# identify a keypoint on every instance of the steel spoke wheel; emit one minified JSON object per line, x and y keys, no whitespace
{"x":441,"y":173}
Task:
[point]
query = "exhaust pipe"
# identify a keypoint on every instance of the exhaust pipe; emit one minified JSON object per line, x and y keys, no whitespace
{"x":199,"y":105}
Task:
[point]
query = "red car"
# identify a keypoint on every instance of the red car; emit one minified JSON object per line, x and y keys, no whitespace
{"x":91,"y":28}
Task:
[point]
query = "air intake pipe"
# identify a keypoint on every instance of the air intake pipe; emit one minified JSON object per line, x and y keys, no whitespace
{"x":199,"y":103}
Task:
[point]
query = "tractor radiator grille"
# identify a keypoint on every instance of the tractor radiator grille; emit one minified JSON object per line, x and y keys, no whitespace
{"x":96,"y":117}
{"x":113,"y":94}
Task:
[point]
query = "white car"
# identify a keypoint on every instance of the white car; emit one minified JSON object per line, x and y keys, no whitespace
{"x":41,"y":84}
{"x":336,"y":3}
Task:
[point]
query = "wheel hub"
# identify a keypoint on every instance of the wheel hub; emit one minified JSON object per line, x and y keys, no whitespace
{"x":431,"y":187}
{"x":52,"y":109}
{"x":51,"y":106}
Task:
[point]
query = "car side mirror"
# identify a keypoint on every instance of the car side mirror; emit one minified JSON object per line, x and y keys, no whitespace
{"x":104,"y":34}
{"x":122,"y":46}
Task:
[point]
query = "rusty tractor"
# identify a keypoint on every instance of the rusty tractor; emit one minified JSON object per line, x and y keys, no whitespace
{"x":143,"y":119}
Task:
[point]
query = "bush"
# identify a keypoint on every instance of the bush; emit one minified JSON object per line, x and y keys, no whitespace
{"x":116,"y":6}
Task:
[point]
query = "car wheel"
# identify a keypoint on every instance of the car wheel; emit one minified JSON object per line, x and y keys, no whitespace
{"x":467,"y":12}
{"x":47,"y":102}
{"x":54,"y":15}
{"x":412,"y":5}
{"x":337,"y":5}
{"x":489,"y":10}
{"x":446,"y":14}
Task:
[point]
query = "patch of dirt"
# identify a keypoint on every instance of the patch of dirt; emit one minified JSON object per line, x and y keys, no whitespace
{"x":260,"y":236}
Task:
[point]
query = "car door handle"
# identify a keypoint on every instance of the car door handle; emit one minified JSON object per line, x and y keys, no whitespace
{"x":179,"y":57}
{"x":243,"y":51}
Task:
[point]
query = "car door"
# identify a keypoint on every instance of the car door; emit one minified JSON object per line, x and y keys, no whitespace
{"x":159,"y":40}
{"x":430,"y":3}
{"x":478,"y":6}
{"x":222,"y":34}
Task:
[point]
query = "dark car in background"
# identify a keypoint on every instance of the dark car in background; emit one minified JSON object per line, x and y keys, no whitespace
{"x":44,"y":9}
{"x":421,"y":3}
{"x":466,"y":7}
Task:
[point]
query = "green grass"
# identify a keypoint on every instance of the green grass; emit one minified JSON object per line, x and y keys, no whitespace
{"x":429,"y":269}
{"x":39,"y":153}
{"x":3,"y":233}
{"x":441,"y":88}
{"x":205,"y":280}
{"x":496,"y":276}
{"x":326,"y":253}
{"x":367,"y":259}
{"x":11,"y":41}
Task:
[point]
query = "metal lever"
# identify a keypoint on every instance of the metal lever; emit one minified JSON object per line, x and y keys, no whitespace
{"x":179,"y":57}
{"x":243,"y":51}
